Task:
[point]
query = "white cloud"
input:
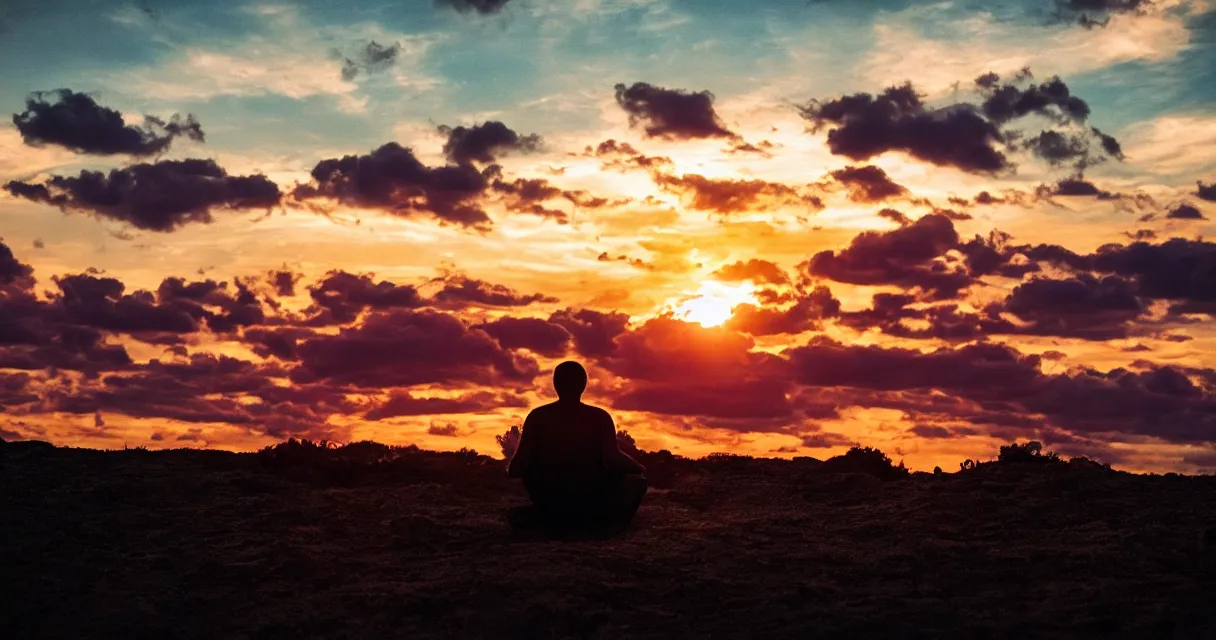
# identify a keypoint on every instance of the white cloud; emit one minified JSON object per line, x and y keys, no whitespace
{"x":296,"y":59}
{"x":981,"y":44}
{"x":1177,"y":144}
{"x":19,"y":161}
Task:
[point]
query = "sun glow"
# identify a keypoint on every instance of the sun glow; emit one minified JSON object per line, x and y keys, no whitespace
{"x":712,"y":303}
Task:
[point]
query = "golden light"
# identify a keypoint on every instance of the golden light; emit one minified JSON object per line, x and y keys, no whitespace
{"x":712,"y":303}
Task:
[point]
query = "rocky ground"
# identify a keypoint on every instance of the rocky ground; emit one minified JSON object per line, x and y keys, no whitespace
{"x":202,"y":544}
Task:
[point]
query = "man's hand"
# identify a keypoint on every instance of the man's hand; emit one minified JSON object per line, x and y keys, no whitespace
{"x":522,"y":460}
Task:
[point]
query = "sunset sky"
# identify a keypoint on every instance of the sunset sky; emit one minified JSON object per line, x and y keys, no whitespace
{"x":774,"y":227}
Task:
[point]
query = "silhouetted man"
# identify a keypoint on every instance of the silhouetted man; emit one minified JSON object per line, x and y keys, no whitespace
{"x":569,"y":460}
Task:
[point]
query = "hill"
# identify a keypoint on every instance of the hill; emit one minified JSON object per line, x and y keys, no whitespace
{"x":372,"y":541}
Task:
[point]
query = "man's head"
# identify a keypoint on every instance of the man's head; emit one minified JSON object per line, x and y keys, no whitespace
{"x":569,"y":379}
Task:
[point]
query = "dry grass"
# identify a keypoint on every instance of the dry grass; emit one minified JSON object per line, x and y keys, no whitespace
{"x":197,"y":544}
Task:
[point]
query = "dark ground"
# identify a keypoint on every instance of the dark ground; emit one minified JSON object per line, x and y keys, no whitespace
{"x":198,"y":544}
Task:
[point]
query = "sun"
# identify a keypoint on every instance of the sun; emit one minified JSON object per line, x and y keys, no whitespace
{"x":711,"y":305}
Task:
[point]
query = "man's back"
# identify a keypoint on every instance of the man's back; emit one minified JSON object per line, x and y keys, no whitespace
{"x":565,"y":442}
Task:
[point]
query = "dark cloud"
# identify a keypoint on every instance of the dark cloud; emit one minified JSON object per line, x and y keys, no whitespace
{"x":864,"y":126}
{"x":1097,"y":13}
{"x":532,"y":195}
{"x":1185,"y":211}
{"x":725,"y":196}
{"x":284,"y":282}
{"x":447,"y":430}
{"x":1007,"y":101}
{"x":671,"y":113}
{"x":636,"y":262}
{"x":1206,"y":191}
{"x":622,"y":156}
{"x":278,"y":342}
{"x":223,"y":310}
{"x":340,"y":297}
{"x":740,"y":399}
{"x":966,"y":136}
{"x":1079,"y":186}
{"x":932,"y":432}
{"x":1083,"y":306}
{"x":980,"y":368}
{"x":1009,"y":196}
{"x":370,"y":58}
{"x":755,"y":270}
{"x":594,"y":332}
{"x":1077,"y":148}
{"x":12,"y":269}
{"x":1081,"y":146}
{"x":75,"y":121}
{"x":1075,"y":186}
{"x":484,"y":7}
{"x":826,"y":440}
{"x":541,"y":337}
{"x":676,"y":367}
{"x":740,"y":146}
{"x":161,"y":196}
{"x":393,"y":180}
{"x":403,"y":403}
{"x":911,"y":256}
{"x":1178,"y":269}
{"x":806,"y":314}
{"x":103,"y":304}
{"x":87,"y":306}
{"x":868,"y":184}
{"x":403,"y":347}
{"x":58,"y":333}
{"x":888,"y":313}
{"x":485,"y":142}
{"x":460,"y":290}
{"x":895,"y":216}
{"x":208,"y":389}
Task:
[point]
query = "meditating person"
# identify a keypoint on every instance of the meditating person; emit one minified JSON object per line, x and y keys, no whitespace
{"x":569,"y":460}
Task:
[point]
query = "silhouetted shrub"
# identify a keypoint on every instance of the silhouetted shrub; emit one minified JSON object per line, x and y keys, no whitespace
{"x":1029,"y":452}
{"x":663,"y":467}
{"x":937,"y":471}
{"x":867,"y":460}
{"x":625,"y":443}
{"x":966,"y":465}
{"x":509,"y":442}
{"x":361,"y":463}
{"x":1084,"y":462}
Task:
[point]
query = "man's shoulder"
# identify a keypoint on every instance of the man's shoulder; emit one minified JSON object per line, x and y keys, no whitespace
{"x":542,"y":411}
{"x":554,"y":408}
{"x":596,"y":412}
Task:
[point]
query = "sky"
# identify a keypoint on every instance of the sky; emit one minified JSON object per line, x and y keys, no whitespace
{"x":772,"y":228}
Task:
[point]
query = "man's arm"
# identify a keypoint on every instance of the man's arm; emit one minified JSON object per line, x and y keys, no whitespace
{"x":614,"y":459}
{"x":521,"y":462}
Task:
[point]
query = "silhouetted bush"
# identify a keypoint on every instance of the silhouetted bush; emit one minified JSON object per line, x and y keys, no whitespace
{"x":361,"y":463}
{"x":867,"y":460}
{"x":509,"y":442}
{"x":625,"y":443}
{"x":1029,"y":452}
{"x":1086,"y":463}
{"x":663,"y":467}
